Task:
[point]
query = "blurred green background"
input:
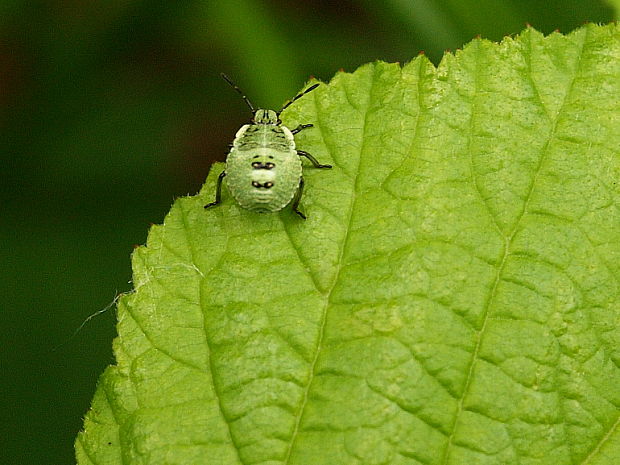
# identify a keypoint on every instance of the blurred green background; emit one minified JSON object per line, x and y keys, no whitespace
{"x":111,"y":109}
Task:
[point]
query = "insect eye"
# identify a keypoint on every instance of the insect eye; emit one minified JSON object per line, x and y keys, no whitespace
{"x":268,"y":185}
{"x":256,"y":184}
{"x":269,"y":165}
{"x":257,"y":165}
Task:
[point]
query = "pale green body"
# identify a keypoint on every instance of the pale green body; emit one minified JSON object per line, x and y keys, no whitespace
{"x":263,"y":169}
{"x":264,"y":141}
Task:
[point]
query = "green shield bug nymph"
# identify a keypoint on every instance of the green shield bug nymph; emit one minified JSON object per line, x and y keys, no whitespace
{"x":263,"y":168}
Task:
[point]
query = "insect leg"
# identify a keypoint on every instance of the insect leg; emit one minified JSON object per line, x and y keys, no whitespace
{"x":301,"y":127}
{"x":298,"y":198}
{"x":314,"y":161}
{"x":218,"y":191}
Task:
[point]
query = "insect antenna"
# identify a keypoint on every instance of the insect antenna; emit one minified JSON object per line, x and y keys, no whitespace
{"x":234,"y":86}
{"x":298,"y":97}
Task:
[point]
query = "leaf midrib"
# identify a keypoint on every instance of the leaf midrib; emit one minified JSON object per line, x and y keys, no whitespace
{"x":208,"y":344}
{"x":328,"y":294}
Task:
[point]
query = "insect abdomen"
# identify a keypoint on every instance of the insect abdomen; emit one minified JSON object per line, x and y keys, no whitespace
{"x":263,"y":172}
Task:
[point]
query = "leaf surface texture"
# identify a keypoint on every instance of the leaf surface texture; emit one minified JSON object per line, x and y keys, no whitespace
{"x":453,"y":297}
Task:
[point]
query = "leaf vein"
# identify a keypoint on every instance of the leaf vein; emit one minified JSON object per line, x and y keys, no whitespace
{"x":210,"y":354}
{"x":507,"y":243}
{"x":328,"y":295}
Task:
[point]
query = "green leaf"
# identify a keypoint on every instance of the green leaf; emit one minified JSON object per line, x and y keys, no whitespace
{"x":453,"y":297}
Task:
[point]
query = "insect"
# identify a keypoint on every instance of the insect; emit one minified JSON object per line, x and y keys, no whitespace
{"x":263,"y":168}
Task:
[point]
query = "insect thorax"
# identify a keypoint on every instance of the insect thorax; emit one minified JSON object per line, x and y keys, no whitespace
{"x":253,"y":136}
